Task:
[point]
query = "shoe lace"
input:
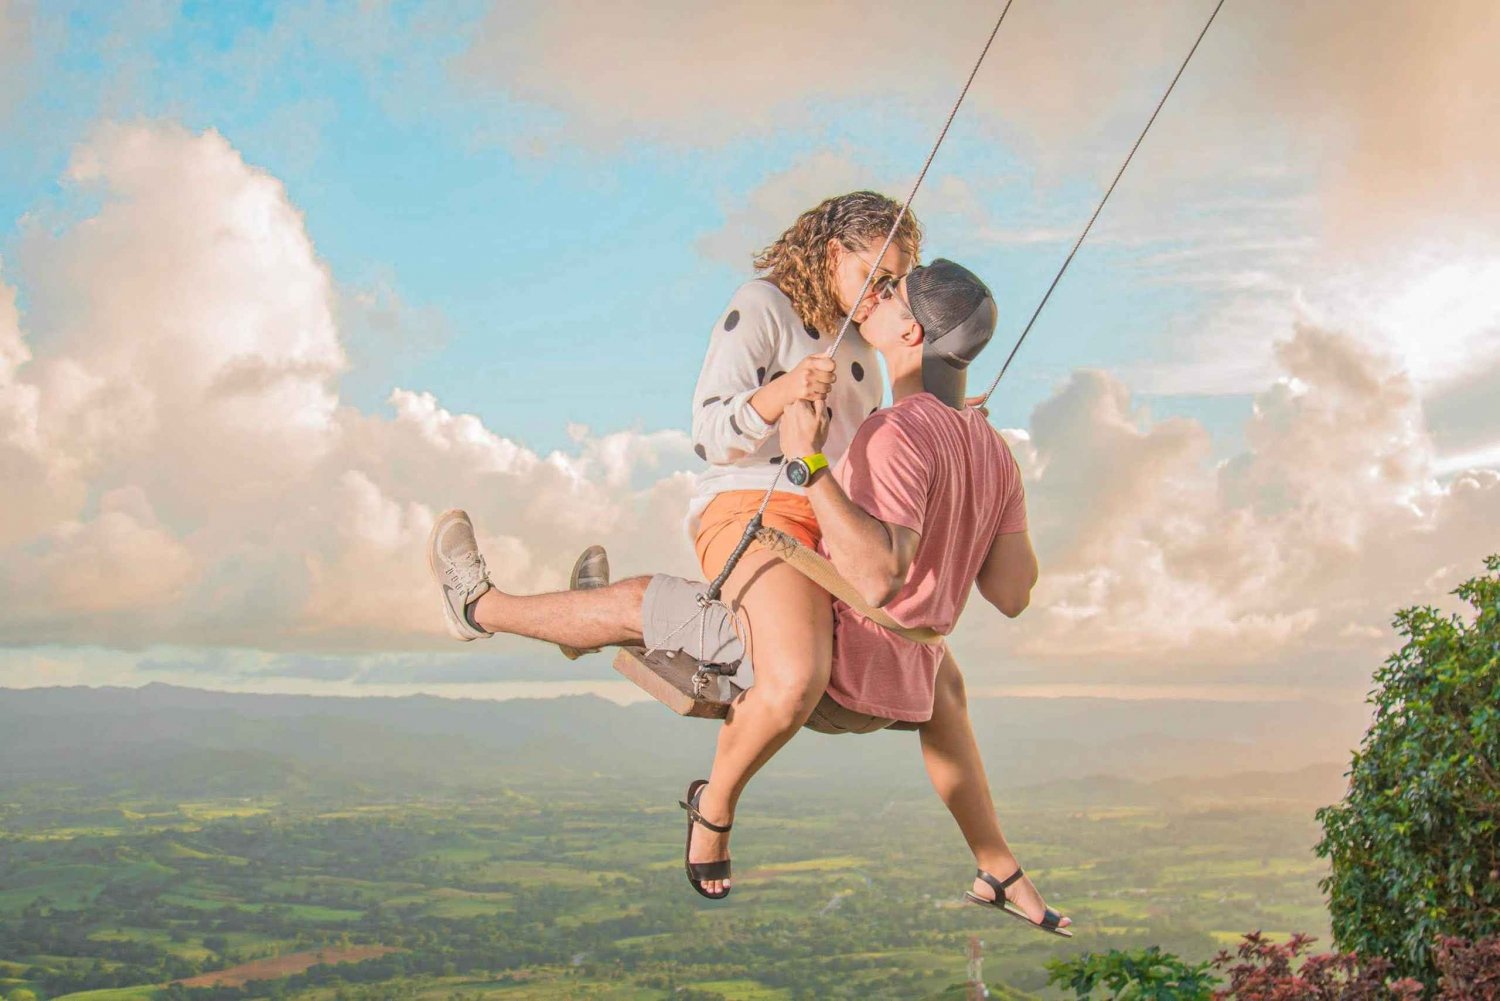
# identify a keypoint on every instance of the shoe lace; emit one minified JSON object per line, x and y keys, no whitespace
{"x":467,"y":571}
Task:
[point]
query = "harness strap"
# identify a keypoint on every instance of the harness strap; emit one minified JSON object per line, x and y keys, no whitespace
{"x":822,"y":573}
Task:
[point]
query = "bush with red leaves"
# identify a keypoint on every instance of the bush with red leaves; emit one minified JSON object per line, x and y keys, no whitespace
{"x":1469,"y":971}
{"x":1264,"y":972}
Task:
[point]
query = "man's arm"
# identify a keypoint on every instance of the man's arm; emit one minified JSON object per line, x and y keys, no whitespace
{"x":870,"y":554}
{"x":1009,"y":573}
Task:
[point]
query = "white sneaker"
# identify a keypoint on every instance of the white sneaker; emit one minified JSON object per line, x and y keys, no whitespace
{"x":458,"y":569}
{"x":590,"y":571}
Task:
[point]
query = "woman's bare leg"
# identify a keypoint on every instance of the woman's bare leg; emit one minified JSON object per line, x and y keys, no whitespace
{"x":790,"y":623}
{"x":957,"y":773}
{"x":792,"y":651}
{"x":603,"y":616}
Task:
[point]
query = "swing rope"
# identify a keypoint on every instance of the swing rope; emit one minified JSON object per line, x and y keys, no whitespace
{"x":1098,"y":208}
{"x":754,"y":527}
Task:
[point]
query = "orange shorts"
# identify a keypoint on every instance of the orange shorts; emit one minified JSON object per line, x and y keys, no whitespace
{"x":724,"y":520}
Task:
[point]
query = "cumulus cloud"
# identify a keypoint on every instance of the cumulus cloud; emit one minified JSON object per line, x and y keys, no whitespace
{"x":671,"y":70}
{"x":1392,"y":104}
{"x":1161,"y":561}
{"x":1407,"y":92}
{"x":15,"y":51}
{"x":181,"y":468}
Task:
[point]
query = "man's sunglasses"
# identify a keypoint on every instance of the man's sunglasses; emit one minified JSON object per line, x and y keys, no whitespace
{"x":889,"y":287}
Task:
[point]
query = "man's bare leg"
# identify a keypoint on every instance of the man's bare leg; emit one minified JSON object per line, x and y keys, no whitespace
{"x":603,"y":616}
{"x":790,"y":623}
{"x":957,"y":773}
{"x":792,"y":652}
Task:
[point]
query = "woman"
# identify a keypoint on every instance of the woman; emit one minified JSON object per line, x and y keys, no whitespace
{"x":767,"y":351}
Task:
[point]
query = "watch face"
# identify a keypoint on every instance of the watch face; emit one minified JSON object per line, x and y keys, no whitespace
{"x":797,"y":472}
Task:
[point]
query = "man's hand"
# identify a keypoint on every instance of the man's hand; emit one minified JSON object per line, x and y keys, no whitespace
{"x":804,"y":428}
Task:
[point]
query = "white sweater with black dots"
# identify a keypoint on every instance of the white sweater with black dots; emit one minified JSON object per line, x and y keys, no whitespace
{"x":758,"y":338}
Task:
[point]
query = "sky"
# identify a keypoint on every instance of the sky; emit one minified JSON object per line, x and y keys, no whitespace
{"x":279,"y":282}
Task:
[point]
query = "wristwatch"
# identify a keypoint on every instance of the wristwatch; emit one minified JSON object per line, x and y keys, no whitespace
{"x":801,"y":471}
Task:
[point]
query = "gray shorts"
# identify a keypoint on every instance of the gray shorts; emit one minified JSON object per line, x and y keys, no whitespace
{"x":670,"y":621}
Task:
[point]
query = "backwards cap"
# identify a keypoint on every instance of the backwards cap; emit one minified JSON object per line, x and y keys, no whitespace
{"x":957,"y":314}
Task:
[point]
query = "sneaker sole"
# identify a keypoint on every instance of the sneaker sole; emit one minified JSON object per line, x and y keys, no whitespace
{"x":458,"y":629}
{"x":572,"y":652}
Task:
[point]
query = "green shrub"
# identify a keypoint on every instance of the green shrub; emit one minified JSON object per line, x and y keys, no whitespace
{"x":1415,"y":845}
{"x":1136,"y":975}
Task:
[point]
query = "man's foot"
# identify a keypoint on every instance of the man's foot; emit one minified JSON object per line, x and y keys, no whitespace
{"x":1021,"y":899}
{"x":707,"y":849}
{"x":453,"y":556}
{"x":590,"y":571}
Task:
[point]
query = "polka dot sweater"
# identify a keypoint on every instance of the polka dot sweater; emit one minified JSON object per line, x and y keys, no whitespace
{"x":758,"y":339}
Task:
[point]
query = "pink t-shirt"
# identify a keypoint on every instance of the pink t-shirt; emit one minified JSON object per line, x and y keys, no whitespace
{"x":949,"y":476}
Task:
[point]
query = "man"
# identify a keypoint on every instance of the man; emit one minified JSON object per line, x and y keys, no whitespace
{"x":926,"y":504}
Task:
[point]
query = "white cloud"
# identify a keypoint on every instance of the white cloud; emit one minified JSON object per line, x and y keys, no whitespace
{"x":712,"y":72}
{"x":1308,"y":143}
{"x":183,"y":469}
{"x":15,"y":52}
{"x":1160,"y":563}
{"x":1392,"y":102}
{"x":179,"y":470}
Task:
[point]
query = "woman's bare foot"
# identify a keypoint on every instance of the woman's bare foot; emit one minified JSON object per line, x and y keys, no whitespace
{"x":1021,"y":894}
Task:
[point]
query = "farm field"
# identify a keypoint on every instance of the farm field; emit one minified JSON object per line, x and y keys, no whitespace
{"x":577,"y":892}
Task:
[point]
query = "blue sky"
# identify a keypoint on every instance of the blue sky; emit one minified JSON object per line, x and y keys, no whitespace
{"x":1266,"y":380}
{"x":555,"y":287}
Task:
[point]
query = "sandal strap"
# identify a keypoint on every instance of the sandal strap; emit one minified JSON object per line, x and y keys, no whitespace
{"x":999,"y":885}
{"x":1050,"y":920}
{"x":700,"y":819}
{"x":709,"y":870}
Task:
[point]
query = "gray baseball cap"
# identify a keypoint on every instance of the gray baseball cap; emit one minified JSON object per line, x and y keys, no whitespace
{"x":957,"y":314}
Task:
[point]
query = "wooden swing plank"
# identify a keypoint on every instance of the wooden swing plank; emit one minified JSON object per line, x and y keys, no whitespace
{"x":669,"y":680}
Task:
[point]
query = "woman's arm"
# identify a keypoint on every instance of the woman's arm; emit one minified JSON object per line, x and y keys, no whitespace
{"x":739,"y":398}
{"x":726,"y":427}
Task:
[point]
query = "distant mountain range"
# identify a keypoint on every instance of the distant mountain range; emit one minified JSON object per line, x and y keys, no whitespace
{"x":174,"y":742}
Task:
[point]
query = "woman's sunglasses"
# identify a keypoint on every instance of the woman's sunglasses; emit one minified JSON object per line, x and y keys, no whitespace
{"x":883,"y":286}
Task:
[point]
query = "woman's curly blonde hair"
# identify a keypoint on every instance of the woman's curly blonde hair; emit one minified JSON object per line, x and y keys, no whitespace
{"x":801,"y":265}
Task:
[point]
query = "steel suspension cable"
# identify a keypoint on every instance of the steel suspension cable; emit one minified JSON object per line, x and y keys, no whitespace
{"x":921,"y":175}
{"x":1099,"y":208}
{"x":754,"y":525}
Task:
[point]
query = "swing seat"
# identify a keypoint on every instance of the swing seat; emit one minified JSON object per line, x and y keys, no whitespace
{"x":668,"y":678}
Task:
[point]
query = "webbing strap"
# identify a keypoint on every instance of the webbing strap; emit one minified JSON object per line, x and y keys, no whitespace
{"x":822,"y":573}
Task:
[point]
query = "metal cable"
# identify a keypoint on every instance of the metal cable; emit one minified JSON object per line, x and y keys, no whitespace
{"x":849,"y":318}
{"x":754,"y":524}
{"x":712,"y":595}
{"x":1099,"y":208}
